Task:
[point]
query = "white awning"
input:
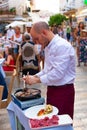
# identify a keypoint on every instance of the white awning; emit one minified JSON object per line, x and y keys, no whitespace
{"x":15,"y":23}
{"x":82,"y":13}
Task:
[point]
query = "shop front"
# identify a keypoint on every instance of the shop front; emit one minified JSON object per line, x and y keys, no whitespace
{"x":81,"y":15}
{"x":71,"y":14}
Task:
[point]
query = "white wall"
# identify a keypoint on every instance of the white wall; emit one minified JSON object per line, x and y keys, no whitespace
{"x":62,"y":3}
{"x":79,"y":3}
{"x":50,"y":5}
{"x":71,"y":3}
{"x":19,"y":4}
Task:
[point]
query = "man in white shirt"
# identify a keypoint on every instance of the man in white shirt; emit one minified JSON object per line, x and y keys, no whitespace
{"x":28,"y":28}
{"x":10,"y":33}
{"x":59,"y":68}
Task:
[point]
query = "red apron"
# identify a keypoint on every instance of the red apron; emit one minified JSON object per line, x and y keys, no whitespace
{"x":62,"y":97}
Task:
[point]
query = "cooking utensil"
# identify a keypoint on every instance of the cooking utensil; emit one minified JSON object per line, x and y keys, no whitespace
{"x":27,"y":93}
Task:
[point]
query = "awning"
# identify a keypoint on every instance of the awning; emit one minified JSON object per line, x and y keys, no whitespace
{"x":15,"y":23}
{"x":82,"y":13}
{"x":70,"y":12}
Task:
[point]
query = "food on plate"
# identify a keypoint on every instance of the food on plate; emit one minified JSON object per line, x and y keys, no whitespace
{"x":41,"y":112}
{"x":48,"y":109}
{"x":45,"y":122}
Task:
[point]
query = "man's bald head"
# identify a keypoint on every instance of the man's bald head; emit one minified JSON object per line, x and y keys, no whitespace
{"x":39,"y":26}
{"x":41,"y":34}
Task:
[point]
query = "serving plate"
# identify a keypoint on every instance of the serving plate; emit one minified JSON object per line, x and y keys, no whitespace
{"x":32,"y":112}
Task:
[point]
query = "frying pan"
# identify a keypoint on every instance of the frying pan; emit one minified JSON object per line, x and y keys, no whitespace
{"x":27,"y":94}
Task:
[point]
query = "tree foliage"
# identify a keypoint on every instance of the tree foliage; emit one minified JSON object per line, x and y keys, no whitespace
{"x":56,"y":19}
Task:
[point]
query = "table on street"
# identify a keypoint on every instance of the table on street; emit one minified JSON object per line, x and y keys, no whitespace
{"x":15,"y":111}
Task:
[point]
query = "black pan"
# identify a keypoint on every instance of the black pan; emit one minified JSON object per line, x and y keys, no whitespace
{"x":27,"y":94}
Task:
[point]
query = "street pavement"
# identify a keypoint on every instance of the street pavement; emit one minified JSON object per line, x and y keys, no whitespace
{"x":80,"y":115}
{"x":80,"y":110}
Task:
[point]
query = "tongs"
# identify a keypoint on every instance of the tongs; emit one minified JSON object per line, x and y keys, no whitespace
{"x":25,"y":88}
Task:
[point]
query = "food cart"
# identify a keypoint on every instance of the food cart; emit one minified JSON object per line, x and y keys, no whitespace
{"x":21,"y":118}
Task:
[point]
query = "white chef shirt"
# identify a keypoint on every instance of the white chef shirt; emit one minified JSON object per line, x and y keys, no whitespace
{"x":59,"y":67}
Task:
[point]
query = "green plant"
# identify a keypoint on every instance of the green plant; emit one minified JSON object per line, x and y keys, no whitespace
{"x":56,"y":19}
{"x":12,"y":10}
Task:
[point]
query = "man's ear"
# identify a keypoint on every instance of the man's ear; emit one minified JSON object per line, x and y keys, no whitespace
{"x":44,"y":32}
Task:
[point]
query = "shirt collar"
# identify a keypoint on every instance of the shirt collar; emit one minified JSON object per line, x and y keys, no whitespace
{"x":51,"y":42}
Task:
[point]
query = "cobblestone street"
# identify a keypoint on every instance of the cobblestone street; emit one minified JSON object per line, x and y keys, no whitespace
{"x":80,"y":115}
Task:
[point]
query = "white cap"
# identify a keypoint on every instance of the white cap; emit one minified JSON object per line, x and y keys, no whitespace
{"x":84,"y":30}
{"x":28,"y":24}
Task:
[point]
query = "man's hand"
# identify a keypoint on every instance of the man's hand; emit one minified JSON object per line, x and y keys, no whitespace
{"x":29,"y":79}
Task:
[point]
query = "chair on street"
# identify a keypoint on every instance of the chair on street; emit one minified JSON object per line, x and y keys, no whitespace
{"x":4,"y":103}
{"x":17,"y":67}
{"x":1,"y":93}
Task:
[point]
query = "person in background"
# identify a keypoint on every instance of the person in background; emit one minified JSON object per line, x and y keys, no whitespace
{"x":68,"y":33}
{"x":30,"y":57}
{"x":28,"y":28}
{"x":1,"y":56}
{"x":83,"y":47}
{"x":59,"y":68}
{"x":0,"y":35}
{"x":10,"y":33}
{"x":3,"y":83}
{"x":17,"y":37}
{"x":42,"y":55}
{"x":60,"y":31}
{"x":55,"y":29}
{"x":64,"y":32}
{"x":9,"y":60}
{"x":77,"y":34}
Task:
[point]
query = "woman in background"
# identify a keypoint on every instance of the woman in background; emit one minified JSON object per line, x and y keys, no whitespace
{"x":83,"y":48}
{"x":77,"y":34}
{"x":17,"y":37}
{"x":9,"y":63}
